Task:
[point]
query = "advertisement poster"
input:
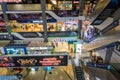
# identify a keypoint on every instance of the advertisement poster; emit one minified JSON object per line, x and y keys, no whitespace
{"x":89,"y":31}
{"x":33,"y":61}
{"x":1,"y":51}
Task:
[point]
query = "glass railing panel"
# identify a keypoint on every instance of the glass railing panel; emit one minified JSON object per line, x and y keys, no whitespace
{"x":24,"y":7}
{"x":66,"y":13}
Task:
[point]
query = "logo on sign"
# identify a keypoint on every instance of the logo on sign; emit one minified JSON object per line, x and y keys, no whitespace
{"x":64,"y":39}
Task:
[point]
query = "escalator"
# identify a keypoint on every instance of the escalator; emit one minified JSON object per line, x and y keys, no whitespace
{"x":108,"y":9}
{"x":105,"y":27}
{"x":99,"y":8}
{"x":79,"y":73}
{"x":100,"y":42}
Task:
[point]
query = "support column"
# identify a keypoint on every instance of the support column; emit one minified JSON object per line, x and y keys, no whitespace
{"x":43,"y":8}
{"x":79,"y":29}
{"x":80,"y":21}
{"x":109,"y":54}
{"x":4,"y":9}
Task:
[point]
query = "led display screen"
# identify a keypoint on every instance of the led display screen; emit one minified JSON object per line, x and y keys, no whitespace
{"x":33,"y":61}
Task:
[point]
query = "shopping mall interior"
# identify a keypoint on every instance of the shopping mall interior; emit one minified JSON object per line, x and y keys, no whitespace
{"x":59,"y":39}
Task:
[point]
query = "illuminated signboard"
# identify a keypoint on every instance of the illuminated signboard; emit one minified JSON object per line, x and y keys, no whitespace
{"x":17,"y":1}
{"x":62,"y":39}
{"x":40,"y":48}
{"x":13,"y":77}
{"x":34,"y":61}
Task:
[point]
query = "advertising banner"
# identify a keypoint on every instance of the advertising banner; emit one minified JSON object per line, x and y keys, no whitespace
{"x":33,"y":61}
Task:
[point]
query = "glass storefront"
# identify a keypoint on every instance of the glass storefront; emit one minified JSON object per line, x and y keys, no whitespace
{"x":69,"y":25}
{"x":64,"y":45}
{"x":65,"y":5}
{"x":25,"y":27}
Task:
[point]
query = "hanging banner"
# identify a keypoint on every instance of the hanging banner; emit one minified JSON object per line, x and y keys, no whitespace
{"x":34,"y":61}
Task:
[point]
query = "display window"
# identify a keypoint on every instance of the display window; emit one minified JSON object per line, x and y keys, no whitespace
{"x":25,"y":27}
{"x":64,"y":47}
{"x":70,"y":25}
{"x":51,"y":27}
{"x":65,"y":5}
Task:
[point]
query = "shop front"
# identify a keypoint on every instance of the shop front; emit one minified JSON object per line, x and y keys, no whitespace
{"x":64,"y":44}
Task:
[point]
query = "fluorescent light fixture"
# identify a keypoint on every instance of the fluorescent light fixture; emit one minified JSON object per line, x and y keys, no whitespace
{"x":54,"y":2}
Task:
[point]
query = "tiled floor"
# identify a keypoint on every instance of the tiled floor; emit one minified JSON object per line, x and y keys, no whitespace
{"x":58,"y":73}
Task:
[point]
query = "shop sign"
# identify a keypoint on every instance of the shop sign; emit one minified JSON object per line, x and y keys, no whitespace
{"x":62,"y":34}
{"x":5,"y":36}
{"x":34,"y":61}
{"x":64,"y":39}
{"x":31,"y":34}
{"x":40,"y":48}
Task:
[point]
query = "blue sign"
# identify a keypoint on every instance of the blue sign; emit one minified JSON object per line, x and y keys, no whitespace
{"x":97,"y":65}
{"x":9,"y":77}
